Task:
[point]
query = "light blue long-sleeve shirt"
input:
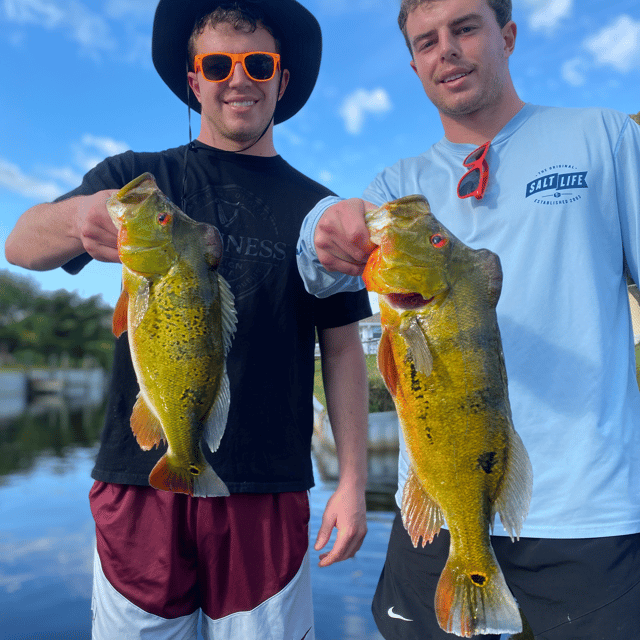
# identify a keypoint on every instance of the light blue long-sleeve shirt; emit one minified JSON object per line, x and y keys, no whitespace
{"x":562,"y":211}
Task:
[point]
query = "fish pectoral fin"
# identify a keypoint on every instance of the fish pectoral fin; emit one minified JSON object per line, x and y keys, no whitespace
{"x":145,"y":426}
{"x":514,"y":493}
{"x":216,"y":421}
{"x":418,"y":347}
{"x":387,"y":363}
{"x":119,"y":322}
{"x":421,"y":514}
{"x":475,"y":601}
{"x":229,"y":317}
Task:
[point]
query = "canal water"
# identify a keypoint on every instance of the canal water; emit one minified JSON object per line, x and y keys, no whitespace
{"x":47,"y":535}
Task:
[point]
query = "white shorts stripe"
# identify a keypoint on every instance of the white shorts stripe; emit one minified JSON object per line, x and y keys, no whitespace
{"x":115,"y":618}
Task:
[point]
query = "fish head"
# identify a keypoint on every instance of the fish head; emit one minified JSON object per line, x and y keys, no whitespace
{"x":146,"y":221}
{"x":418,"y":261}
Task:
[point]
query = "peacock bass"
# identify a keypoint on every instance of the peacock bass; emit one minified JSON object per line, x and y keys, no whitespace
{"x":180,"y":317}
{"x":441,"y":358}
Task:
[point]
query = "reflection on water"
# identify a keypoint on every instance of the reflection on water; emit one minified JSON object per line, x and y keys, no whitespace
{"x":47,"y":535}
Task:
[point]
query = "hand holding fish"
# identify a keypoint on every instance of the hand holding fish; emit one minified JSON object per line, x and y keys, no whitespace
{"x":94,"y":227}
{"x":342,"y":239}
{"x":346,"y":510}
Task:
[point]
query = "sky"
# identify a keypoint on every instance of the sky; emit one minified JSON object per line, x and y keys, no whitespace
{"x":78,"y":85}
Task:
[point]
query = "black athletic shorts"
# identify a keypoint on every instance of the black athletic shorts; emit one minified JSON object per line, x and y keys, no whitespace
{"x":582,"y":589}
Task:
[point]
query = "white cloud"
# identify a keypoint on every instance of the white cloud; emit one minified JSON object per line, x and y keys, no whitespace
{"x":87,"y":28}
{"x":546,"y":15}
{"x":13,"y":179}
{"x":325,"y":176}
{"x":572,"y":72}
{"x":54,"y":181}
{"x":91,"y":29}
{"x":617,"y":45}
{"x":357,"y":104}
{"x":93,"y":149}
{"x":40,"y":12}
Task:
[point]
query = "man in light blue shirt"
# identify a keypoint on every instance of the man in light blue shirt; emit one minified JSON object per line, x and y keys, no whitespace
{"x":562,"y":211}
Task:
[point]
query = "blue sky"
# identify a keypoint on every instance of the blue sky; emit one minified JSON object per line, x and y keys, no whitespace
{"x":78,"y":85}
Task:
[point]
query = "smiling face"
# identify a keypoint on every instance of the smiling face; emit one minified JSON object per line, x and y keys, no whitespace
{"x":236,"y":112}
{"x":461,"y":56}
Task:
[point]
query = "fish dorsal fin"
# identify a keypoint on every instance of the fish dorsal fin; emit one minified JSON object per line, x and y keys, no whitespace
{"x":418,"y":347}
{"x":421,"y":514}
{"x":119,"y":322}
{"x":229,"y":317}
{"x":145,"y":426}
{"x":216,"y":421}
{"x":514,"y":494}
{"x":387,"y":363}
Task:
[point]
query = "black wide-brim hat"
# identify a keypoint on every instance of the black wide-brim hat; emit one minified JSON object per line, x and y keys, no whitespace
{"x":294,"y":25}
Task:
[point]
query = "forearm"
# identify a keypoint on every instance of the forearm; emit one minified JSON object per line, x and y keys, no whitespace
{"x":49,"y":235}
{"x":346,"y":388}
{"x":44,"y":237}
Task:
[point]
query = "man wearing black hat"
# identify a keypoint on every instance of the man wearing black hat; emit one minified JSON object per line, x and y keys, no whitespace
{"x":243,"y":560}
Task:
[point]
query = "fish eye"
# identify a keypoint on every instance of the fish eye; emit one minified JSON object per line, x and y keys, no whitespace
{"x":438,"y":240}
{"x":164,"y":218}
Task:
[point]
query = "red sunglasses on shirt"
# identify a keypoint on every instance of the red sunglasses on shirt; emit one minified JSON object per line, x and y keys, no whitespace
{"x":474,"y":182}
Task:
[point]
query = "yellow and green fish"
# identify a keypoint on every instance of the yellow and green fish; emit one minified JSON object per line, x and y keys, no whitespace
{"x":180,"y":318}
{"x":441,"y":358}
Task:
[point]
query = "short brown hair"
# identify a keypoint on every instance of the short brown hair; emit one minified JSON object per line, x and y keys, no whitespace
{"x":502,"y":9}
{"x":238,"y":16}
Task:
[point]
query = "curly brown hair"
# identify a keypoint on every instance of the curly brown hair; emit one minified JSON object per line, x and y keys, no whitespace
{"x":240,"y":17}
{"x":502,"y":9}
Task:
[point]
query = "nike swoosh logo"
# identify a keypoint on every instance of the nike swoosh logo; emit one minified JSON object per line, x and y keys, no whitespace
{"x":391,"y":613}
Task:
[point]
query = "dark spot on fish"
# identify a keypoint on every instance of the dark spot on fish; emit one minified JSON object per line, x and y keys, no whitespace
{"x":478,"y":579}
{"x":427,"y":432}
{"x":416,"y":385}
{"x":487,"y":461}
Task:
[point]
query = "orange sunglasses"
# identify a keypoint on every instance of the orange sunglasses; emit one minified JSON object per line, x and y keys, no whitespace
{"x":218,"y":66}
{"x":474,"y":182}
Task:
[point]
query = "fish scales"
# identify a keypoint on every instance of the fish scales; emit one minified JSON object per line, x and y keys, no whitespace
{"x":180,"y":318}
{"x":441,"y":357}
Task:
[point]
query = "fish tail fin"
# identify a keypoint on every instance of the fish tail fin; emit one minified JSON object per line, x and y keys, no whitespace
{"x":209,"y":484}
{"x":469,"y":603}
{"x":168,"y":476}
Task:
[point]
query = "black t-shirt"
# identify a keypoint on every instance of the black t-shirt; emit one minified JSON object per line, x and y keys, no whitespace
{"x":258,"y":205}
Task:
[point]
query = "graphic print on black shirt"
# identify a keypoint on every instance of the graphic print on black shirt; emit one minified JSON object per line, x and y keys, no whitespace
{"x":252,"y":244}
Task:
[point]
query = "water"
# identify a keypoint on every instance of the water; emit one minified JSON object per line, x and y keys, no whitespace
{"x":47,"y":534}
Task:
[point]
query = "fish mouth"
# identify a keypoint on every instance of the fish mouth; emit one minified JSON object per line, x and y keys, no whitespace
{"x":409,"y":300}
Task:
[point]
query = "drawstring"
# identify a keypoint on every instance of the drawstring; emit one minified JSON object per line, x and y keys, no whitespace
{"x":183,"y":198}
